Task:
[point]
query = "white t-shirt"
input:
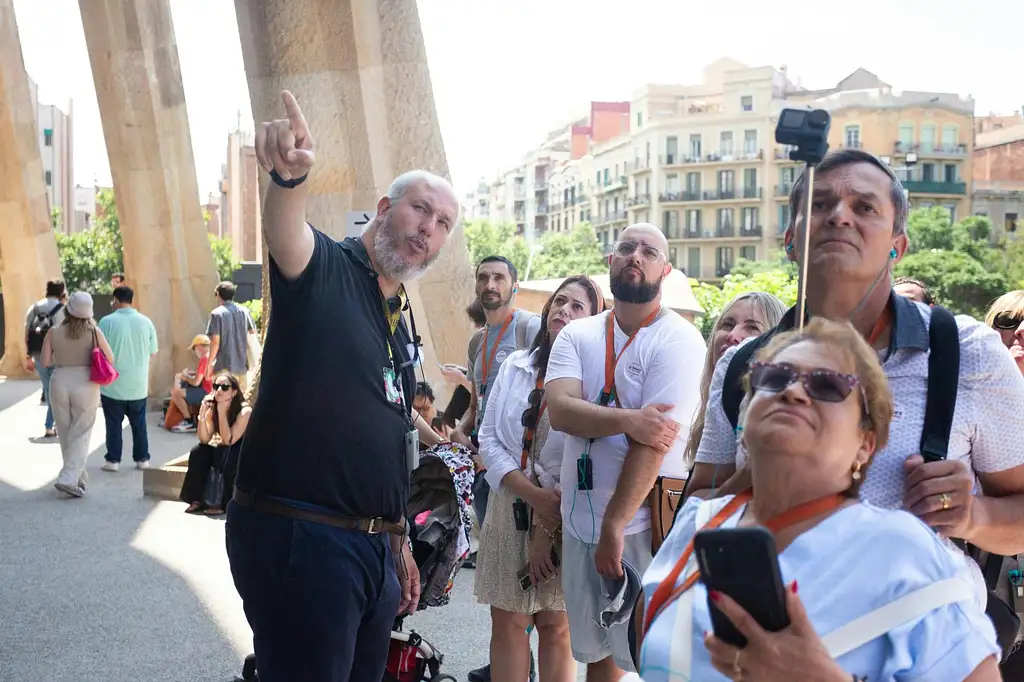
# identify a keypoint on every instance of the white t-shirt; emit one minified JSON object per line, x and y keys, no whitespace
{"x":662,"y":365}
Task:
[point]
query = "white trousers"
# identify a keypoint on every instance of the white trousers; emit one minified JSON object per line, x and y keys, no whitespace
{"x":75,"y":400}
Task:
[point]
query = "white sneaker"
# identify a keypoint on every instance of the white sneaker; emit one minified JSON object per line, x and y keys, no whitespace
{"x":142,"y":465}
{"x":111,"y":466}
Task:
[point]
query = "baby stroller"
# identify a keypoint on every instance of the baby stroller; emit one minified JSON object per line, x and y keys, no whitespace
{"x":440,"y":496}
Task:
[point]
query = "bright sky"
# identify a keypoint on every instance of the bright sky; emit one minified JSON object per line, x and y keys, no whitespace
{"x":506,"y":73}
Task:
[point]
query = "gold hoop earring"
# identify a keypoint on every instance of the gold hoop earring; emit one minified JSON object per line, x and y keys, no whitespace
{"x":856,"y":470}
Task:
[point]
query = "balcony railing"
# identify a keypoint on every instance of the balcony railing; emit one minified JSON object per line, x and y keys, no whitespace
{"x":542,"y":209}
{"x":693,"y":232}
{"x":539,"y":184}
{"x":711,"y":157}
{"x":637,"y":165}
{"x":613,"y":184}
{"x":581,"y":199}
{"x":934,"y":187}
{"x":720,"y":195}
{"x":782,"y":153}
{"x":679,"y":196}
{"x":723,"y":270}
{"x":640,"y":200}
{"x":725,"y":231}
{"x":783,"y":190}
{"x":946,"y":150}
{"x":753,"y":192}
{"x":613,"y":217}
{"x":750,"y":231}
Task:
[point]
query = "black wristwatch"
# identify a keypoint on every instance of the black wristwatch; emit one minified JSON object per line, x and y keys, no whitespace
{"x":287,"y":184}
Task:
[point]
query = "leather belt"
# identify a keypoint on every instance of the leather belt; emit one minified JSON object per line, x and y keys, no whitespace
{"x":262,"y":503}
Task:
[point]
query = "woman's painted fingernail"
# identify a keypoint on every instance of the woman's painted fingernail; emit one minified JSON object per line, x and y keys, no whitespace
{"x":715,"y":596}
{"x":793,"y":587}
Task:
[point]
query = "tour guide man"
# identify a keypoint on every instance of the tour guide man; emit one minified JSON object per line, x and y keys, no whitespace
{"x":323,"y":476}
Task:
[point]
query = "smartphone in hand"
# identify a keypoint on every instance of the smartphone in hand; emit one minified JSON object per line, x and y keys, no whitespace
{"x":744,"y":564}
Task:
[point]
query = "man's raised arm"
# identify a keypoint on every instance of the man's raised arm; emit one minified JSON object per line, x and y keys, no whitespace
{"x":286,"y":146}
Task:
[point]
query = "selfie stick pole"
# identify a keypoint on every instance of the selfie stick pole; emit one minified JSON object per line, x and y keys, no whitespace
{"x":801,"y":297}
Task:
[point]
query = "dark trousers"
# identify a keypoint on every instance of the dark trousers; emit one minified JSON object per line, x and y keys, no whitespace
{"x":114,"y":412}
{"x":321,"y":600}
{"x":201,"y":459}
{"x":481,"y":491}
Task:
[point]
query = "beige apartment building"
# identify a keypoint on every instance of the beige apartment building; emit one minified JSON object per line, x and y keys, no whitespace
{"x":701,"y":161}
{"x":239,"y":216}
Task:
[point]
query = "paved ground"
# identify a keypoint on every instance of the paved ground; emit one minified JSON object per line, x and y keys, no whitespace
{"x":119,"y":588}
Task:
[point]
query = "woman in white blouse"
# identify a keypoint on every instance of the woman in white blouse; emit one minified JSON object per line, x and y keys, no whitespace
{"x":517,"y":569}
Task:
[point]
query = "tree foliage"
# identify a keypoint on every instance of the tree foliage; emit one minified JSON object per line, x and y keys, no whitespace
{"x":223,"y":257}
{"x":557,"y":254}
{"x":778,"y":281}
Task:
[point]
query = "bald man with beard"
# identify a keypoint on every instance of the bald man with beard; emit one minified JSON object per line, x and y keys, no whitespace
{"x":622,"y":435}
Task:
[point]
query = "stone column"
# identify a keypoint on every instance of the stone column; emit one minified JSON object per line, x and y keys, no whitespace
{"x":28,"y":249}
{"x":167,"y":255}
{"x":359,"y":71}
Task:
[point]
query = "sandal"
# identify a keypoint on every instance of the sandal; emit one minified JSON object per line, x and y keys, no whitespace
{"x":213,"y":511}
{"x":194,"y":508}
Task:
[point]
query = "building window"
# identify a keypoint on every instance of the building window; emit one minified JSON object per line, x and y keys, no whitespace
{"x":671,"y":183}
{"x":853,"y":137}
{"x":783,"y":218}
{"x":48,"y":137}
{"x":749,"y":219}
{"x":748,"y":252}
{"x":724,"y":218}
{"x":693,"y":183}
{"x":750,"y":182}
{"x":670,"y":224}
{"x":693,"y":261}
{"x":723,"y":260}
{"x":693,"y":223}
{"x":952,"y":211}
{"x":725,"y":144}
{"x":695,"y":150}
{"x":906,"y":136}
{"x":950,"y":135}
{"x":928,"y":137}
{"x":749,"y":143}
{"x":1010,"y":222}
{"x":928,"y":172}
{"x":747,"y":103}
{"x":949,"y":173}
{"x":606,"y":177}
{"x":672,"y":256}
{"x":726,"y":182}
{"x":639,"y":119}
{"x":671,"y":149}
{"x":49,"y":178}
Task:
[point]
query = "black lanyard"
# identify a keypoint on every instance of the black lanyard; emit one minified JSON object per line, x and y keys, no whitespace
{"x":392,"y":342}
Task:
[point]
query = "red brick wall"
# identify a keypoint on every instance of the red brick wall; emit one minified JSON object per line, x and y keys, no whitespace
{"x":250,"y":205}
{"x":1002,"y":162}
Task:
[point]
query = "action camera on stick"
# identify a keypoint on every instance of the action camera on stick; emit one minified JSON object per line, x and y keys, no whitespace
{"x":805,"y":130}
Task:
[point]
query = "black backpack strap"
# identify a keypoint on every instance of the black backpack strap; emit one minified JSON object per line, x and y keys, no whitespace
{"x":54,"y":311}
{"x":943,"y":379}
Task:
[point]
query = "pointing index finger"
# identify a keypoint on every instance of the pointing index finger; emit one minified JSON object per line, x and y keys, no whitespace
{"x":291,"y":106}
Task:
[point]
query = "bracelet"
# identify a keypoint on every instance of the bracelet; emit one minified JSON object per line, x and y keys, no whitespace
{"x":287,"y":184}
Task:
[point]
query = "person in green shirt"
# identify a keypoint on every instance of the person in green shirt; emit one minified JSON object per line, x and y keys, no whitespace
{"x":132,"y":338}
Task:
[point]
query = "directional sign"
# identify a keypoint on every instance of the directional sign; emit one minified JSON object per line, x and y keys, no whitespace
{"x":356,"y":221}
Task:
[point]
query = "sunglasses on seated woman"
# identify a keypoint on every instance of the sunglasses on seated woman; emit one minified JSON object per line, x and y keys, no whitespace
{"x":222,"y":387}
{"x":820,"y":384}
{"x":1007,"y":321}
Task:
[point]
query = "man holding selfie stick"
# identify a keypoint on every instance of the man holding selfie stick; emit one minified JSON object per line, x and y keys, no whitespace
{"x":316,"y":533}
{"x":857,"y":233}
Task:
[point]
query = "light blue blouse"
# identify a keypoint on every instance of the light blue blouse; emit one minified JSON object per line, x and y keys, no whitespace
{"x":857,"y":560}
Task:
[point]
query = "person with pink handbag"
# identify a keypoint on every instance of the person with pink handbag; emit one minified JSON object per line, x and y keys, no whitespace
{"x":81,"y":359}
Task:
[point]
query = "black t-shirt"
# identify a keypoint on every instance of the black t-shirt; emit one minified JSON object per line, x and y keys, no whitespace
{"x":323,"y":430}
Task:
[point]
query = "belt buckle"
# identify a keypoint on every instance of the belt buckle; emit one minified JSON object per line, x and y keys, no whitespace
{"x":379,"y":522}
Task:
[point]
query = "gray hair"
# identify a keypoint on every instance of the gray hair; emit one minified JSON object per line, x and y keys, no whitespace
{"x":401,"y":184}
{"x":845,"y":157}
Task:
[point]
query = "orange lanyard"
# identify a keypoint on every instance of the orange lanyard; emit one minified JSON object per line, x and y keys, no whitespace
{"x":880,"y":324}
{"x":486,"y":360}
{"x":611,"y":360}
{"x":666,"y":592}
{"x":532,"y":429}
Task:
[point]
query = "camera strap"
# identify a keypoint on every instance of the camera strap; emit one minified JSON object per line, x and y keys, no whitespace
{"x":531,"y":429}
{"x":667,"y":592}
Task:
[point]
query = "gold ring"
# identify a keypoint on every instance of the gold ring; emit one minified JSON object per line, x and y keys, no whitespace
{"x":944,"y":498}
{"x":736,"y":663}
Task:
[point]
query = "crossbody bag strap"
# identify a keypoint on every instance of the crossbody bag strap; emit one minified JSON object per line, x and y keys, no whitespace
{"x":907,"y":608}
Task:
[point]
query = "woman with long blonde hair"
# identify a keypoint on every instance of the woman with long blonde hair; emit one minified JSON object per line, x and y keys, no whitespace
{"x":747,"y":315}
{"x":74,"y":397}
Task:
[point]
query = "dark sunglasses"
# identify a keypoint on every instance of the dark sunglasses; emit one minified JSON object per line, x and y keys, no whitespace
{"x":820,"y":384}
{"x":222,"y":387}
{"x":1007,"y":321}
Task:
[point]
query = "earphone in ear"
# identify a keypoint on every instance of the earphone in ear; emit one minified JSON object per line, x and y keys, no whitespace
{"x":893,"y":254}
{"x":789,"y":248}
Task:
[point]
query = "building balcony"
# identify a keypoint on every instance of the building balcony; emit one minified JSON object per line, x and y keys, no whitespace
{"x":539,"y":185}
{"x":934,"y":187}
{"x":542,"y":209}
{"x":693,"y":232}
{"x":953,"y":151}
{"x":519,"y":192}
{"x":640,"y":200}
{"x":678,"y":196}
{"x":580,"y":199}
{"x":712,"y":157}
{"x":637,"y":165}
{"x":613,"y":185}
{"x":614,"y":217}
{"x":723,"y":270}
{"x":725,"y":231}
{"x":750,"y":231}
{"x":783,"y":191}
{"x":753,"y":193}
{"x":782,"y":153}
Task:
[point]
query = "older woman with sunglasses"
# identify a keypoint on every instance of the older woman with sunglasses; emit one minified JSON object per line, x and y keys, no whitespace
{"x":517,"y":562}
{"x":223,"y":417}
{"x":820,"y":407}
{"x":1006,"y":316}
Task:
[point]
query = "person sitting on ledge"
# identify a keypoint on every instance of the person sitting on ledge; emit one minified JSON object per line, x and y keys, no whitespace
{"x":193,"y":385}
{"x":223,"y":417}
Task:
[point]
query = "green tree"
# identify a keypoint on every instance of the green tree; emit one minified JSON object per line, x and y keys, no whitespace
{"x":484,"y":238}
{"x":223,"y":257}
{"x":713,"y":299}
{"x":964,"y":272}
{"x":89,"y":258}
{"x":563,"y":254}
{"x":776,"y":261}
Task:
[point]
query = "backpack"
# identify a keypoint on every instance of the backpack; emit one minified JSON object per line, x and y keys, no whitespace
{"x":522,"y":319}
{"x":943,"y":380}
{"x":42,"y":322}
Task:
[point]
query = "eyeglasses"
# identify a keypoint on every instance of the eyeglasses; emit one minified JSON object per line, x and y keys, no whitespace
{"x":222,"y":387}
{"x":820,"y":384}
{"x":649,"y":253}
{"x":1007,"y":321}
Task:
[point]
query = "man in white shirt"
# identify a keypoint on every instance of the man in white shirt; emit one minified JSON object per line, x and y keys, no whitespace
{"x":621,"y":435}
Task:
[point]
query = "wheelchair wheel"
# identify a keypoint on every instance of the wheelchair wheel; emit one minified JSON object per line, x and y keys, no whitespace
{"x":249,"y":669}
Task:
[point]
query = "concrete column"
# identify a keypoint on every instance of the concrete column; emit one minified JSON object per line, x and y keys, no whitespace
{"x":359,"y":71}
{"x":28,"y":249}
{"x":167,"y":256}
